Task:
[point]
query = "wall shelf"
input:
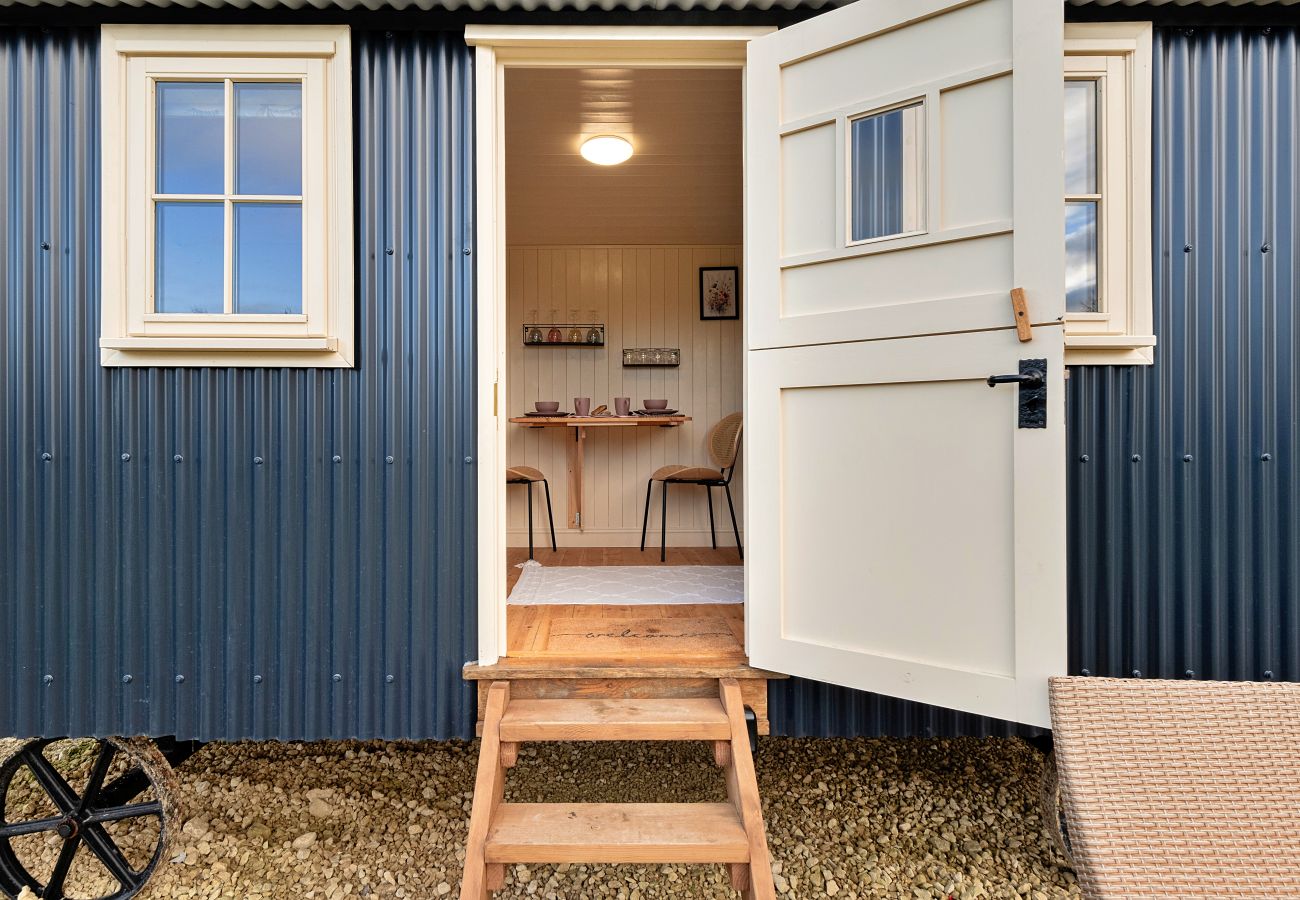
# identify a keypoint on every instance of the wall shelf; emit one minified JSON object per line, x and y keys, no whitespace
{"x":636,"y":357}
{"x":590,"y":334}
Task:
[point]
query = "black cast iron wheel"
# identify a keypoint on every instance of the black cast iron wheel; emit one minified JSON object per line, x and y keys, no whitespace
{"x":83,"y":819}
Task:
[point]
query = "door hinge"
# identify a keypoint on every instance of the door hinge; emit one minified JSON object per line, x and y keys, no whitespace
{"x":494,"y":399}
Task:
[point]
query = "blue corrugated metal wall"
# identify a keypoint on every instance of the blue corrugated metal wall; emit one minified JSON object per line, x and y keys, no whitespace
{"x":1184,"y":483}
{"x":1183,"y":518}
{"x":171,"y":536}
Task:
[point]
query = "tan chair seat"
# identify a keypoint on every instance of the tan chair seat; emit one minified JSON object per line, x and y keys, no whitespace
{"x":524,"y":473}
{"x":687,"y":473}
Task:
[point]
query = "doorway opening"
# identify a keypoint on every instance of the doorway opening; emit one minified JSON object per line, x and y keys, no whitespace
{"x":622,"y":280}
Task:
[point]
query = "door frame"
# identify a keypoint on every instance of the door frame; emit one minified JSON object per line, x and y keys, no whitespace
{"x":496,"y":48}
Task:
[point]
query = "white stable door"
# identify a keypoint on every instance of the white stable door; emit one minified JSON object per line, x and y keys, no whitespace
{"x":905,"y":519}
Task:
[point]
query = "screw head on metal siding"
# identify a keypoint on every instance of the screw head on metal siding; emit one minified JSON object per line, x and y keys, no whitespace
{"x":45,"y":245}
{"x":257,"y":679}
{"x":1268,"y":674}
{"x":337,"y":677}
{"x":1189,"y":674}
{"x":127,"y":679}
{"x":126,"y":457}
{"x":47,"y":456}
{"x":1083,"y":457}
{"x":466,"y":251}
{"x":388,"y":250}
{"x":1137,"y":457}
{"x":388,"y":459}
{"x":338,"y":459}
{"x":178,"y":458}
{"x":179,"y":679}
{"x":257,"y":460}
{"x":1187,"y":248}
{"x":469,"y":460}
{"x":1085,"y":672}
{"x":1137,"y":673}
{"x":48,"y":679}
{"x":389,"y":679}
{"x":1265,"y":457}
{"x":1187,"y":457}
{"x":1265,"y":248}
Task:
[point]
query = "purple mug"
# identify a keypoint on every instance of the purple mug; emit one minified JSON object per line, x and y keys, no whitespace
{"x":622,"y":406}
{"x":582,"y":406}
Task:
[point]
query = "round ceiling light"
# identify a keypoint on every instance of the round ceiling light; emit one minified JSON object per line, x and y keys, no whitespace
{"x":606,"y":150}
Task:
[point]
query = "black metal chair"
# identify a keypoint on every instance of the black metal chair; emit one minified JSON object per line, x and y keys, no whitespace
{"x":529,"y":476}
{"x":724,"y":448}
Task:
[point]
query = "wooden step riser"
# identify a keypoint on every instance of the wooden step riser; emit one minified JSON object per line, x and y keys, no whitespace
{"x":753,"y":692}
{"x":676,"y":719}
{"x":615,"y":833}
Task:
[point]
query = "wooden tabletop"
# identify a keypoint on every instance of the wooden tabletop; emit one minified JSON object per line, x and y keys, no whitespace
{"x":597,"y":421}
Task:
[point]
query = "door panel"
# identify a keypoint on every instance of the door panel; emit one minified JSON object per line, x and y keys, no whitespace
{"x":979,"y":168}
{"x":905,"y":534}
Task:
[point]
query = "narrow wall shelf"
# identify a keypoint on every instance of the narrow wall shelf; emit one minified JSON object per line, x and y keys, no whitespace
{"x":564,"y":335}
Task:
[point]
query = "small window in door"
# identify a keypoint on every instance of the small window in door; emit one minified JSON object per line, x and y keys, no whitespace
{"x":886,"y":173}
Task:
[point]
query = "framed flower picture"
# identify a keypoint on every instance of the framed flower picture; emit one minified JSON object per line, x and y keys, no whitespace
{"x":719,"y":292}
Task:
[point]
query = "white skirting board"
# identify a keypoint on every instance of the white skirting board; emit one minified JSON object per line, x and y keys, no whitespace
{"x":630,"y":585}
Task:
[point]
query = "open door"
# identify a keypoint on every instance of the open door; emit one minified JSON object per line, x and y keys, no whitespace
{"x":905,"y":519}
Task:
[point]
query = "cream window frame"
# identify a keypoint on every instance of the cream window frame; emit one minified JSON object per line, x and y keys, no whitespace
{"x":136,"y":57}
{"x":1118,"y":57}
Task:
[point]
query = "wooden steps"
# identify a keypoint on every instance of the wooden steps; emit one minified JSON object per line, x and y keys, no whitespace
{"x":730,"y":833}
{"x":684,"y":719}
{"x":617,"y":833}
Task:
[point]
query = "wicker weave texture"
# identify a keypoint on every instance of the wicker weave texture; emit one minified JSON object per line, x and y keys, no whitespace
{"x":1180,"y":789}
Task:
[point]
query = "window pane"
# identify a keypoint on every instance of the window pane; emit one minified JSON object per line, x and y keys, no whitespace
{"x":268,"y":138}
{"x":190,"y":257}
{"x":886,"y":173}
{"x":268,"y":258}
{"x":191,"y":135}
{"x":1080,"y":137}
{"x":1081,"y":257}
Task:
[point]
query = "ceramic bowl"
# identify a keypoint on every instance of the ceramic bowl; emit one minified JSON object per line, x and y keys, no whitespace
{"x":547,"y":406}
{"x":655,"y":404}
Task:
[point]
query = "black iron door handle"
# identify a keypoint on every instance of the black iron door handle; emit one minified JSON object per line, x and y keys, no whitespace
{"x":1031,"y":393}
{"x":1028,"y":379}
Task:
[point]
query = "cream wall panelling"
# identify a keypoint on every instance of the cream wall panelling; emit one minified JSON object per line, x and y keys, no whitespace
{"x":648,"y":296}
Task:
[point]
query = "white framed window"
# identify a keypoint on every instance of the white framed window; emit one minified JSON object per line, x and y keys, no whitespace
{"x":227,"y":196}
{"x":1107,"y":194}
{"x":886,"y":177}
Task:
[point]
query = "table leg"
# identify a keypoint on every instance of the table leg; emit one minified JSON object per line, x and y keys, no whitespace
{"x":576,"y":451}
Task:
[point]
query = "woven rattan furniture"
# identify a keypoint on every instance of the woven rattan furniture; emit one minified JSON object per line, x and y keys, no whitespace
{"x":1180,"y":789}
{"x":529,"y":476}
{"x":724,"y":448}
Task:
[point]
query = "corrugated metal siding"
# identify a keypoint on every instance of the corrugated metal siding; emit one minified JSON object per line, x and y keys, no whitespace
{"x":169,"y":524}
{"x":1185,"y":517}
{"x":1180,"y":567}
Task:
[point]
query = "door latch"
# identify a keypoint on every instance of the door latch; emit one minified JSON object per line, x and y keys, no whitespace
{"x":1032,"y":398}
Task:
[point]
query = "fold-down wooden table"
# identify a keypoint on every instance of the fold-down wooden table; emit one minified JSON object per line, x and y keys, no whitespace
{"x":580,"y":424}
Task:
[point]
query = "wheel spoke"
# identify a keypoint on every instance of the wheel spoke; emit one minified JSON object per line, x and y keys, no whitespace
{"x":50,"y":780}
{"x":118,"y":813}
{"x":130,"y":784}
{"x":54,"y":889}
{"x":102,"y":846}
{"x":35,"y":826}
{"x":97,"y":775}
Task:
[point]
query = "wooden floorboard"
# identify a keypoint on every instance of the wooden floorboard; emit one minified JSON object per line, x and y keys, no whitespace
{"x":612,"y":634}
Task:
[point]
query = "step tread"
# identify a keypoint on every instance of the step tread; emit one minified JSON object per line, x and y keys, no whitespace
{"x":680,"y":719}
{"x":616,"y":833}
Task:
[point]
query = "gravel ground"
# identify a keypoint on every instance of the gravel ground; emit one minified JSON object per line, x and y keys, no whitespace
{"x":886,"y":818}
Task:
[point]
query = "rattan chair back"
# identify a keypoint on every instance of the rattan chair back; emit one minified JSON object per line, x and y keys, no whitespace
{"x":724,"y":441}
{"x":1180,"y":789}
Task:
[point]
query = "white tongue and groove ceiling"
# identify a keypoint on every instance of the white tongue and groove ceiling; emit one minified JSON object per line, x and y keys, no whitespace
{"x":681,"y":186}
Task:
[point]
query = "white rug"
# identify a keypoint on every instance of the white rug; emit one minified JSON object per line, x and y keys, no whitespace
{"x":629,"y":584}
